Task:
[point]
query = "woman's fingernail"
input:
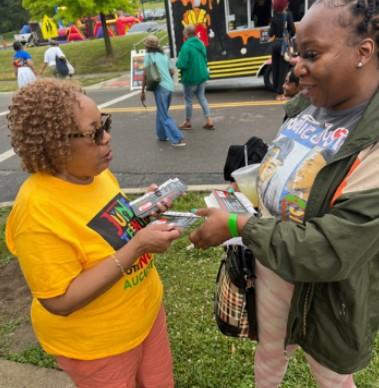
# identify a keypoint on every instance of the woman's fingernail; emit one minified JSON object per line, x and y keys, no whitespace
{"x":231,"y":190}
{"x":193,"y":210}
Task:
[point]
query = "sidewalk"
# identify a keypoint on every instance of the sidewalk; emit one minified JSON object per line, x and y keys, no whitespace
{"x":15,"y":375}
{"x":122,"y":81}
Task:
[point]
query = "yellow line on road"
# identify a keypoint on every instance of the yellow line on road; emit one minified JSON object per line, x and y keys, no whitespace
{"x":237,"y":104}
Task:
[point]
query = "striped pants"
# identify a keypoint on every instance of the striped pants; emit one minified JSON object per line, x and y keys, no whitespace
{"x":273,"y":302}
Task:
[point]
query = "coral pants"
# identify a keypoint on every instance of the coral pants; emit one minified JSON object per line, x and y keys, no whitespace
{"x":149,"y":365}
{"x":273,"y":302}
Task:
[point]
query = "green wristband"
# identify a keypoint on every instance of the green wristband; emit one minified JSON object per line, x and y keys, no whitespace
{"x":232,"y":225}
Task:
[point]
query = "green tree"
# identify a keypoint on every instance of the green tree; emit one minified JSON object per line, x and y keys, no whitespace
{"x":71,"y":10}
{"x":12,"y":15}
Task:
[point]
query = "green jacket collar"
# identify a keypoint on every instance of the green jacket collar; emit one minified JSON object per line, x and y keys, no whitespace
{"x":366,"y":132}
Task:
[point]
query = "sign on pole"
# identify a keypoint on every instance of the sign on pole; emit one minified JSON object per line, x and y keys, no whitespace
{"x":136,"y":69}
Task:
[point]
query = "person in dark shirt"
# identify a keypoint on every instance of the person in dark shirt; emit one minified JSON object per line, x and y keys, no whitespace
{"x":281,"y":25}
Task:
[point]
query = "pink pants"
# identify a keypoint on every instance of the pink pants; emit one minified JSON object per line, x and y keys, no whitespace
{"x":273,"y":302}
{"x":149,"y":365}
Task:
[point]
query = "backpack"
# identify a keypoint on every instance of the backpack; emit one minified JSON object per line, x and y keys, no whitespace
{"x":61,"y":65}
{"x":253,"y":151}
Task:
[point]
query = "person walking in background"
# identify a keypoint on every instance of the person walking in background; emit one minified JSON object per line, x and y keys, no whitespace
{"x":193,"y":65}
{"x":165,"y":126}
{"x":316,"y":244}
{"x":97,"y":296}
{"x":23,"y":65}
{"x":297,"y":101}
{"x":282,"y":28}
{"x":50,"y":61}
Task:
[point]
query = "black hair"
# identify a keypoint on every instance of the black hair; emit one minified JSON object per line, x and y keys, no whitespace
{"x":292,"y":77}
{"x":17,"y":46}
{"x":364,"y":19}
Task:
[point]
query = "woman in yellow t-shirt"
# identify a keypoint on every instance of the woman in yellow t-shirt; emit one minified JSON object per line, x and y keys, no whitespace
{"x":97,"y":297}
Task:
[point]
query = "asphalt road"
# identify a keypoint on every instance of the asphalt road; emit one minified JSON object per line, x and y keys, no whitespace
{"x":240,"y":109}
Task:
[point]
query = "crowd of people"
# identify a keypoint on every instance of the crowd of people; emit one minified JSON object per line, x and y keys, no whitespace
{"x":92,"y":261}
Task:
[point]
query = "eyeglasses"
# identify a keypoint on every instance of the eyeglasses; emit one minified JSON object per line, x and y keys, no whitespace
{"x":97,"y":136}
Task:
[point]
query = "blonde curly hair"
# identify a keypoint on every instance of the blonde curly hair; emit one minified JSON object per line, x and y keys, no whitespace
{"x":41,"y":116}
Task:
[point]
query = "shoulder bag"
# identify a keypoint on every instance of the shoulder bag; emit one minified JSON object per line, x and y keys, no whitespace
{"x":153,"y":77}
{"x":234,"y":306}
{"x":61,"y":65}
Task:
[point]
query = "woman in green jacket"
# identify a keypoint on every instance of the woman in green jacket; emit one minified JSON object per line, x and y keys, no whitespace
{"x":317,"y":242}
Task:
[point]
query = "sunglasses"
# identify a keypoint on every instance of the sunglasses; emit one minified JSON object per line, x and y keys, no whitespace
{"x":97,"y":136}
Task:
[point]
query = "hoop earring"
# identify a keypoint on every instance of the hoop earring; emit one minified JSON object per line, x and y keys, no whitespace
{"x":359,"y":65}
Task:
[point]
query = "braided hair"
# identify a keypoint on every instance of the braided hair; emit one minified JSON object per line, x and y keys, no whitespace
{"x":363,"y":20}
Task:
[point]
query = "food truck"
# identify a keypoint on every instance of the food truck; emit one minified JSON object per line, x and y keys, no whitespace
{"x":235,"y":33}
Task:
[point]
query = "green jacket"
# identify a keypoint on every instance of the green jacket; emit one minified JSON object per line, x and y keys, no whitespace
{"x":192,"y":62}
{"x":333,"y":257}
{"x":296,"y":105}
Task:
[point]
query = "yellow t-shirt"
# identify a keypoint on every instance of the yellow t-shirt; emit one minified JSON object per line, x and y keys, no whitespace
{"x":58,"y":229}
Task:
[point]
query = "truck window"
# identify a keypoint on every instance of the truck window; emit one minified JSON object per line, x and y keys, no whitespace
{"x":237,"y":12}
{"x":261,"y":12}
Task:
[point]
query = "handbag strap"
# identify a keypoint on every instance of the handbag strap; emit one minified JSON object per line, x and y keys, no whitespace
{"x":252,"y":313}
{"x":151,"y":58}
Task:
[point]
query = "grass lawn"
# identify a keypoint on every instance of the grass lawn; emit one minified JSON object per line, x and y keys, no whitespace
{"x":153,"y":4}
{"x":87,"y":57}
{"x":11,"y":85}
{"x":203,"y":357}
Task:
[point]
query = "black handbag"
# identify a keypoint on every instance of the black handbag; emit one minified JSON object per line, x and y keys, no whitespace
{"x":241,"y":155}
{"x":153,"y":77}
{"x":235,"y":306}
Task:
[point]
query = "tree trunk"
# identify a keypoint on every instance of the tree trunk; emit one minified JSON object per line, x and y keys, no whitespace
{"x":107,"y":41}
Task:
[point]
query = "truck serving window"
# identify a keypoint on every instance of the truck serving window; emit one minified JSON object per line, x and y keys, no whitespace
{"x":237,"y":14}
